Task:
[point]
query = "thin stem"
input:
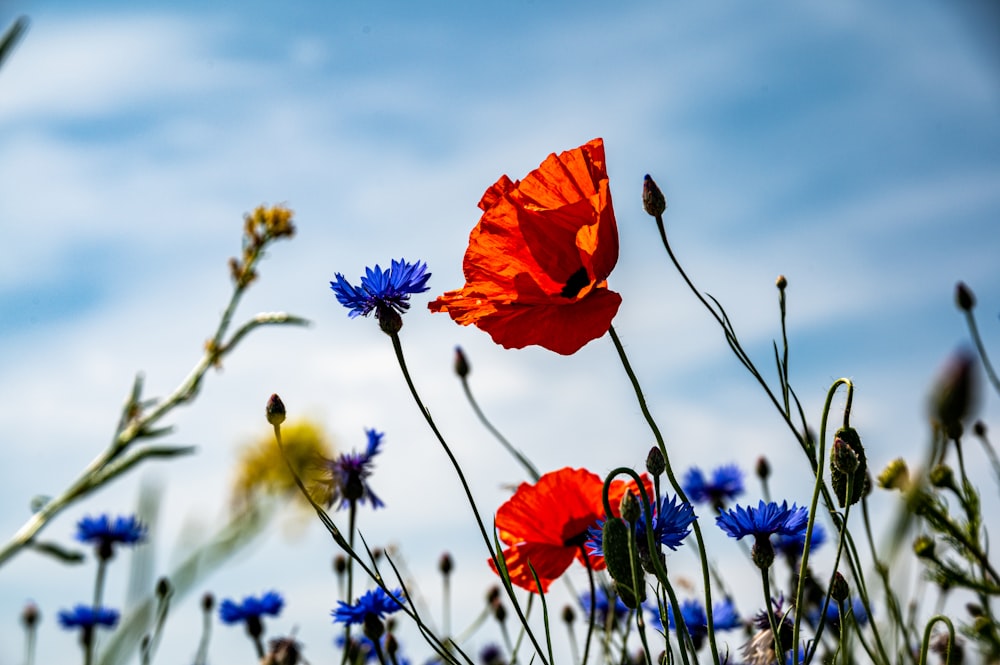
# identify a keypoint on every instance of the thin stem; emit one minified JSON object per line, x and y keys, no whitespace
{"x":352,"y":513}
{"x":398,"y":348}
{"x":592,"y":610}
{"x":514,"y":452}
{"x":981,"y":348}
{"x":668,"y":469}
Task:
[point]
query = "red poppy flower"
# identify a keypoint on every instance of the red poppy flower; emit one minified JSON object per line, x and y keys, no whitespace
{"x":546,"y":524}
{"x":538,"y":261}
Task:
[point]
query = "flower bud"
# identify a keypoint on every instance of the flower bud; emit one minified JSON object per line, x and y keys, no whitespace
{"x":653,"y":201}
{"x":942,"y":477}
{"x":839,"y":590}
{"x":163,"y":587}
{"x":445,"y":564}
{"x":275,"y":410}
{"x":629,"y":508}
{"x":848,"y":467}
{"x":895,"y":476}
{"x":781,"y":282}
{"x":979,"y":429}
{"x":30,"y":615}
{"x":655,"y":463}
{"x":763,"y":468}
{"x":340,"y":565}
{"x":461,"y":363}
{"x":568,"y":615}
{"x":923,"y":547}
{"x":964,"y":297}
{"x":955,"y":393}
{"x":207,"y":602}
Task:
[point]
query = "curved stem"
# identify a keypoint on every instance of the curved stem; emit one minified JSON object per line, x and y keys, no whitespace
{"x":398,"y":348}
{"x":925,"y":645}
{"x":514,"y":452}
{"x":668,"y":469}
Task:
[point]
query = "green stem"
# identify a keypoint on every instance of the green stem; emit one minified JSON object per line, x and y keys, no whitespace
{"x":592,"y":610}
{"x":925,"y":645}
{"x":514,"y":452}
{"x":398,"y":348}
{"x":981,"y":348}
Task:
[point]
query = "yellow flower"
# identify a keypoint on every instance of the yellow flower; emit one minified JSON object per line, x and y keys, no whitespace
{"x":261,"y":470}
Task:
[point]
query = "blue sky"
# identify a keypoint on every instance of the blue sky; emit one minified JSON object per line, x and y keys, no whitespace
{"x":853,"y":148}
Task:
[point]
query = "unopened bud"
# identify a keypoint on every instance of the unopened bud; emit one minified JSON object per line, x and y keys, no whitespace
{"x":655,"y":463}
{"x":923,"y":547}
{"x":373,"y":627}
{"x":964,"y":298}
{"x":979,"y":429}
{"x":653,"y":201}
{"x":895,"y":476}
{"x":955,"y":393}
{"x":340,"y":565}
{"x":275,"y":410}
{"x":839,"y":590}
{"x":461,"y":363}
{"x":30,"y":615}
{"x":781,"y":282}
{"x":763,"y":468}
{"x":942,"y":477}
{"x":207,"y":602}
{"x":163,"y":587}
{"x":843,"y":457}
{"x":568,"y":615}
{"x":445,"y":564}
{"x":629,"y":507}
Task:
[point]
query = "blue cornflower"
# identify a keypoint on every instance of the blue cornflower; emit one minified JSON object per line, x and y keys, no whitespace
{"x":762,"y":522}
{"x":105,"y":534}
{"x":765,"y":520}
{"x":791,"y":546}
{"x":251,"y":609}
{"x":349,"y":474}
{"x":382,"y":291}
{"x":671,"y":524}
{"x":602,"y":606}
{"x":374,"y":603}
{"x":86,"y":617}
{"x":726,"y":484}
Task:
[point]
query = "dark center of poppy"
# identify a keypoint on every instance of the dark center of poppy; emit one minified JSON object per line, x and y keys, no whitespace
{"x":575,"y":283}
{"x":576,"y":540}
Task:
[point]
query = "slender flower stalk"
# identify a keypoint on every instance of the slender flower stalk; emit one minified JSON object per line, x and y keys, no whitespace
{"x":640,"y":397}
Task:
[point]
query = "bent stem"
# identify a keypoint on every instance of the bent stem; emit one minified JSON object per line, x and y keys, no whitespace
{"x":514,"y":452}
{"x":668,"y":469}
{"x":398,"y":349}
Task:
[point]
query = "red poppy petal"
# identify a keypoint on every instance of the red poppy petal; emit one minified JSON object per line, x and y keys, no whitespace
{"x":549,"y":563}
{"x":563,"y":328}
{"x":541,"y":512}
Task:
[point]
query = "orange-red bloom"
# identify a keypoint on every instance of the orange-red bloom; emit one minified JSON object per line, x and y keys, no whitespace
{"x":538,"y":261}
{"x":545,"y":524}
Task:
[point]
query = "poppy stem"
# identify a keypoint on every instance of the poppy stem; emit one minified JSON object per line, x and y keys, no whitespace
{"x":593,"y":606}
{"x":668,"y":469}
{"x":398,"y":348}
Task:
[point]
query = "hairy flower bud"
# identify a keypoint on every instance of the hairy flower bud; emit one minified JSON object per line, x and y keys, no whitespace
{"x":653,"y":201}
{"x":568,"y":615}
{"x":955,"y":394}
{"x":942,"y":477}
{"x":445,"y":564}
{"x":848,"y":467}
{"x":655,"y":463}
{"x":629,"y":508}
{"x":389,"y":321}
{"x":781,"y":282}
{"x":763,"y":468}
{"x":762,"y":552}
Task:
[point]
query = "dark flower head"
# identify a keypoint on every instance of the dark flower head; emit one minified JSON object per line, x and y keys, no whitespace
{"x":252,"y":608}
{"x":671,"y":524}
{"x":765,"y":520}
{"x":602,"y":607}
{"x":86,"y":617}
{"x":105,"y":534}
{"x":382,"y":291}
{"x":348,"y":474}
{"x":375,"y":603}
{"x":726,"y":484}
